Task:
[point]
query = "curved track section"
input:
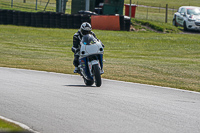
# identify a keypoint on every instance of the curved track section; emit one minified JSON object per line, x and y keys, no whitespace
{"x":52,"y":102}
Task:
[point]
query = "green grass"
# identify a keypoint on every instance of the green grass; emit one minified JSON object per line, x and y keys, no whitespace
{"x":158,"y":14}
{"x":29,"y":6}
{"x":171,"y":60}
{"x":7,"y":126}
{"x":162,"y":3}
{"x":158,"y":26}
{"x":152,"y":14}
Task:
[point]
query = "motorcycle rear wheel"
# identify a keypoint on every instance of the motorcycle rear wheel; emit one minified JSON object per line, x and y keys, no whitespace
{"x":88,"y":82}
{"x":97,"y":75}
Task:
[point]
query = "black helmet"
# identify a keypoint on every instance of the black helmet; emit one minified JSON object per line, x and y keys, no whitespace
{"x":85,"y":28}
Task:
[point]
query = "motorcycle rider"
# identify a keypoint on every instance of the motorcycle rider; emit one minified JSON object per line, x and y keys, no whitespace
{"x":84,"y":30}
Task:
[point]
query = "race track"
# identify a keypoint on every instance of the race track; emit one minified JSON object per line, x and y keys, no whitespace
{"x":61,"y":103}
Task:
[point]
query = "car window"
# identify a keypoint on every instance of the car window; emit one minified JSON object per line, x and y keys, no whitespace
{"x":182,"y":10}
{"x":194,"y":11}
{"x":179,"y":10}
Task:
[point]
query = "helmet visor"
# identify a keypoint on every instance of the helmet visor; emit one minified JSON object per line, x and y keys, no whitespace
{"x":85,"y":32}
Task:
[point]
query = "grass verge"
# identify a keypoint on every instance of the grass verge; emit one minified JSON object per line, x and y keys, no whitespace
{"x":157,"y":26}
{"x":171,"y":60}
{"x":162,"y":3}
{"x":9,"y":127}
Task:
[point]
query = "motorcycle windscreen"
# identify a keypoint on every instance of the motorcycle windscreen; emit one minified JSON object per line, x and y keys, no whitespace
{"x":88,"y":39}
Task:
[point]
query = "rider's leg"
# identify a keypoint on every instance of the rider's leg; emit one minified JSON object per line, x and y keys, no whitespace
{"x":76,"y":63}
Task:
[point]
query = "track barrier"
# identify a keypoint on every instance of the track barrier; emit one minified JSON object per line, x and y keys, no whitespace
{"x":65,"y":21}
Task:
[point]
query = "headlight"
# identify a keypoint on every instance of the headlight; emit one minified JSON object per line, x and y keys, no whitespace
{"x":191,"y":19}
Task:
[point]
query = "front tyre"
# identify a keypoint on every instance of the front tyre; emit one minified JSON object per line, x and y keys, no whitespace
{"x":185,"y":27}
{"x":97,"y":75}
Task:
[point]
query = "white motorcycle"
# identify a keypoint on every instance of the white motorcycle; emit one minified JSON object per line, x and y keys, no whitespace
{"x":91,"y":60}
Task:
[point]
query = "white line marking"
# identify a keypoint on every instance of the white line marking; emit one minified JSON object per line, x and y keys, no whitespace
{"x":176,"y":89}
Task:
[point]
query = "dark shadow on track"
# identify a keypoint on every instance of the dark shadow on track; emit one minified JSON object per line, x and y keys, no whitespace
{"x":78,"y":86}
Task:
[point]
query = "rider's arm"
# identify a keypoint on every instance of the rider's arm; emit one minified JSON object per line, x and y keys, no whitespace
{"x":97,"y":38}
{"x":76,"y":42}
{"x":94,"y":35}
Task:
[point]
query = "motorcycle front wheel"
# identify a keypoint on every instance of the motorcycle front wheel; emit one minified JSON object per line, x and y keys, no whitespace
{"x":97,"y":75}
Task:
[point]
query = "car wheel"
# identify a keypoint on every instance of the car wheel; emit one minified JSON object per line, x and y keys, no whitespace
{"x":174,"y":23}
{"x":185,"y":27}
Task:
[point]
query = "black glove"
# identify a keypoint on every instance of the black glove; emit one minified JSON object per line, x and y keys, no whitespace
{"x":77,"y":50}
{"x":102,"y":44}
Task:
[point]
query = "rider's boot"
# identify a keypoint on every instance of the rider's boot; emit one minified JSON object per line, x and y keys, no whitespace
{"x":76,"y":70}
{"x":102,"y":71}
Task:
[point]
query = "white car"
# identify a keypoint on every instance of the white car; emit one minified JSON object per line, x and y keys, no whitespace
{"x":187,"y":17}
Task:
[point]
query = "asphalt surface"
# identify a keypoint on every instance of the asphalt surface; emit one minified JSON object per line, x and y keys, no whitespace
{"x":60,"y":103}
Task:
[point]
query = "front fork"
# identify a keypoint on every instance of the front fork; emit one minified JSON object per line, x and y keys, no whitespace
{"x":85,"y":66}
{"x":92,"y":63}
{"x":98,"y":61}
